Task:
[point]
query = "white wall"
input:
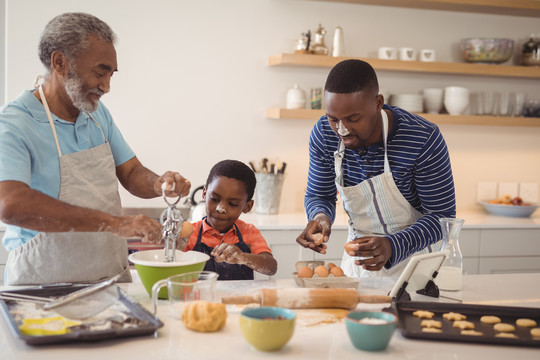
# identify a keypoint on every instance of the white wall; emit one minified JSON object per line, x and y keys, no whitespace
{"x":193,"y":84}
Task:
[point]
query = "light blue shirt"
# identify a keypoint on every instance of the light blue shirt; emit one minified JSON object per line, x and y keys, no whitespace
{"x":28,"y":151}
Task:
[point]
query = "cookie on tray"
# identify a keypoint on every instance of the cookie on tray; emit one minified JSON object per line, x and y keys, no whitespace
{"x":503,"y":327}
{"x":423,"y":314}
{"x":464,"y":325}
{"x":526,"y":323}
{"x":454,"y":316}
{"x":431,"y":324}
{"x":490,"y":319}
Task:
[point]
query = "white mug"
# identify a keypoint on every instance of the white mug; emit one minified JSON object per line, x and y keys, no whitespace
{"x":407,"y":54}
{"x":387,"y":53}
{"x":427,"y":55}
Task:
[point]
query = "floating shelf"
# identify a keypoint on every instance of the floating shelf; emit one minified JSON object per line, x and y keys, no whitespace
{"x":530,"y":8}
{"x":308,"y":114}
{"x":409,"y":66}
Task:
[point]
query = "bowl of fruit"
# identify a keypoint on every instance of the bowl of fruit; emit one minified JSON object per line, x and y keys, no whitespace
{"x":507,"y":205}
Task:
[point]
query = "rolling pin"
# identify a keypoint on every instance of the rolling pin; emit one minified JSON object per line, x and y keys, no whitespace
{"x":307,"y":298}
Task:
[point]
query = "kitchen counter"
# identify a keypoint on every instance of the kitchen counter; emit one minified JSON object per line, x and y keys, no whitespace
{"x":322,"y":341}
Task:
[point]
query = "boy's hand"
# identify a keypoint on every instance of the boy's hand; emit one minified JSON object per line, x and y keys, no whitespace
{"x":228,"y":253}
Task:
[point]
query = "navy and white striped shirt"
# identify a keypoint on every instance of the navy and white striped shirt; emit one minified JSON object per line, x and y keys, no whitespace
{"x":420,"y":166}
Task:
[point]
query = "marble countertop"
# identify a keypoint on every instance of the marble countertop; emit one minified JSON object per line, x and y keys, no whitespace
{"x":310,"y":341}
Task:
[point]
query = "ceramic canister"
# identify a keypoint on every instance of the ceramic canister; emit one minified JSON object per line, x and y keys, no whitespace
{"x":296,"y":98}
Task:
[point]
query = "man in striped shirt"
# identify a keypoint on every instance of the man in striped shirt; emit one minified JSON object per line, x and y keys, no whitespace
{"x":390,"y":167}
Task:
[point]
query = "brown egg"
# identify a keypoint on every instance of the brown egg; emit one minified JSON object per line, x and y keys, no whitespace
{"x":331,"y":266}
{"x":337,"y":271}
{"x":318,"y":238}
{"x":350,"y":246}
{"x":305,"y":272}
{"x":187,"y":229}
{"x":322,"y":271}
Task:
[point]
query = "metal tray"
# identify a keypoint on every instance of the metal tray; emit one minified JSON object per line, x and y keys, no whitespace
{"x":142,"y":321}
{"x":410,"y":324}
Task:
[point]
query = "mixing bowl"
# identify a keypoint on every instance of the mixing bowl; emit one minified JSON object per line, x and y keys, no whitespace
{"x":267,"y":328}
{"x":151,"y":266}
{"x":487,"y":50}
{"x":370,"y":330}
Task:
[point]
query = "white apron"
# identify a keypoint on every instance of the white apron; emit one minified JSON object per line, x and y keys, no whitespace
{"x":375,"y":207}
{"x":87,"y":179}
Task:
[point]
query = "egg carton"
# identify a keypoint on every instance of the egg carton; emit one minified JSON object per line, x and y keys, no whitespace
{"x":322,"y":282}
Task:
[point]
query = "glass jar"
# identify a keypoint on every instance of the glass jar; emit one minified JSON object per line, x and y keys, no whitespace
{"x":450,"y":274}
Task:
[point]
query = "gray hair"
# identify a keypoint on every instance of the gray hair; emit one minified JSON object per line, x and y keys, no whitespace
{"x":69,"y":34}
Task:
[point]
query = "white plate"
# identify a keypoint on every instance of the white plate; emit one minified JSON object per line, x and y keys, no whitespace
{"x":509,"y":210}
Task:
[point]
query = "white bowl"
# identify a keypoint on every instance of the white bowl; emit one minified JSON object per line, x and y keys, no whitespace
{"x":509,"y":210}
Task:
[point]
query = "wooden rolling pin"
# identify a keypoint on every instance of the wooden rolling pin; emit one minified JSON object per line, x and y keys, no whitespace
{"x":307,"y":298}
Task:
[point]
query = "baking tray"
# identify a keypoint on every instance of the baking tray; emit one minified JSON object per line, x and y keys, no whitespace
{"x":141,"y":322}
{"x":410,"y":324}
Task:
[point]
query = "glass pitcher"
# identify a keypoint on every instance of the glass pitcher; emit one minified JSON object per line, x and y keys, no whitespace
{"x":451,"y":272}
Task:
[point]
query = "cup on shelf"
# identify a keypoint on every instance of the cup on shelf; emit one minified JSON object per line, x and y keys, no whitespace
{"x":505,"y":104}
{"x":427,"y":55}
{"x":519,"y":104}
{"x":487,"y":102}
{"x":387,"y":53}
{"x":433,"y":100}
{"x":456,"y":99}
{"x":407,"y":54}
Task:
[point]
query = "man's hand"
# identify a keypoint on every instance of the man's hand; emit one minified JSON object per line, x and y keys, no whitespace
{"x":176,"y":184}
{"x":376,"y":250}
{"x":316,"y":234}
{"x":138,"y":226}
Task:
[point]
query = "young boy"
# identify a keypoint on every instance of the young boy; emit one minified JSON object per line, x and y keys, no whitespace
{"x":235,"y":247}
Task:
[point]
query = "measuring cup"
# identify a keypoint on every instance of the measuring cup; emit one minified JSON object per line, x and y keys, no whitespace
{"x":185,"y":288}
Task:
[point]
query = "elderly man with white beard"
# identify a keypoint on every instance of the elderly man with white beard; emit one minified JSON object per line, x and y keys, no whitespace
{"x":61,"y":157}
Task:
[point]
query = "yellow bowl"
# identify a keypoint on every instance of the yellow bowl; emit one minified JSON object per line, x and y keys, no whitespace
{"x":267,"y":328}
{"x":151,"y":266}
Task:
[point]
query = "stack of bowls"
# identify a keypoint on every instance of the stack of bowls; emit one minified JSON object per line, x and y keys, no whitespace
{"x":433,"y":100}
{"x":408,"y":102}
{"x":456,"y":99}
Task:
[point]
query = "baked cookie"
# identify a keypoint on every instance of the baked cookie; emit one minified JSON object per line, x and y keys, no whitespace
{"x":526,"y":323}
{"x":454,"y":316}
{"x":506,"y":335}
{"x":431,"y":324}
{"x":431,"y":330}
{"x":423,"y":314}
{"x":535,"y":332}
{"x":464,"y":325}
{"x":204,"y":316}
{"x":471,"y":332}
{"x":490,"y":319}
{"x":502,"y":327}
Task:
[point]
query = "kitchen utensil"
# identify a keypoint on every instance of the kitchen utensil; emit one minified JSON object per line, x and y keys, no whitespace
{"x":184,"y":288}
{"x":267,"y":328}
{"x":80,"y":304}
{"x":451,"y":272}
{"x":304,"y":298}
{"x":487,"y":50}
{"x":370,"y":330}
{"x":151,"y":267}
{"x":171,"y":219}
{"x":268,"y":192}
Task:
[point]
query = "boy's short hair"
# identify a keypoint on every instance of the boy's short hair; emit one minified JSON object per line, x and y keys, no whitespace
{"x":235,"y":170}
{"x":350,"y":76}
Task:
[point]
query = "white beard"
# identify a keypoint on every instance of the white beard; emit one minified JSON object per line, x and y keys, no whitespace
{"x":78,"y":93}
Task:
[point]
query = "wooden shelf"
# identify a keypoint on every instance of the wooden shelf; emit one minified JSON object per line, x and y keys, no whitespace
{"x":530,"y":8}
{"x":409,"y":66}
{"x":308,"y":114}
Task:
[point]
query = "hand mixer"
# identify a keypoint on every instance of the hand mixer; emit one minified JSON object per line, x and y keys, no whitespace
{"x":172,"y":220}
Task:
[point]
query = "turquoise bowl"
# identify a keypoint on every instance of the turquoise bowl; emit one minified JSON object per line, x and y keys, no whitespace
{"x":371,"y":337}
{"x":267,"y":328}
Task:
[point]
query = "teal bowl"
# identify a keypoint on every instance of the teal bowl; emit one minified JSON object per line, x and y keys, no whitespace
{"x":374,"y":335}
{"x":267,"y":328}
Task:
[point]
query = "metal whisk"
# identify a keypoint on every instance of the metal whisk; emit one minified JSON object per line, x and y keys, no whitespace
{"x":171,"y":219}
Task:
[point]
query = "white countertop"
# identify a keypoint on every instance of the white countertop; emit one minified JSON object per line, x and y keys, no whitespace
{"x":322,"y":341}
{"x":473,"y":220}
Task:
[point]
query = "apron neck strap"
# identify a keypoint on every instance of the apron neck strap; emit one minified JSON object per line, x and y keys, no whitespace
{"x":385,"y":136}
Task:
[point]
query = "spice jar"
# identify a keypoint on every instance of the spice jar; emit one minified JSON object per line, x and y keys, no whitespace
{"x":530,"y":54}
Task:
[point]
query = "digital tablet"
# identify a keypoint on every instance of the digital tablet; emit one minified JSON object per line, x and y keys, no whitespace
{"x":418,"y":272}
